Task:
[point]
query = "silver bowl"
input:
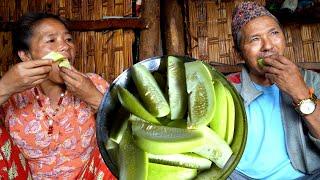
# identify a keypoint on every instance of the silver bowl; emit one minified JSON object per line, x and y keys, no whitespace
{"x":109,"y":111}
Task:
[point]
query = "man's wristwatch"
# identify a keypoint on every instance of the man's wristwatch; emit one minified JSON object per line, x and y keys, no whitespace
{"x":307,"y":106}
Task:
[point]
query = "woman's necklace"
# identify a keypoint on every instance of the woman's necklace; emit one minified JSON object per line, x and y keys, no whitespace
{"x":49,"y":118}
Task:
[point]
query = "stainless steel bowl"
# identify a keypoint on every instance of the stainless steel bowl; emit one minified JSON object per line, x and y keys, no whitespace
{"x":109,"y":112}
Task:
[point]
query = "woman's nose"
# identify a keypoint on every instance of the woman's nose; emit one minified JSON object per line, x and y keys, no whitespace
{"x":63,"y":46}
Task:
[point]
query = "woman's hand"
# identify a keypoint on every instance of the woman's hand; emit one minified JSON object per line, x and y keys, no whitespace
{"x":286,"y":75}
{"x":24,"y":75}
{"x":81,"y":86}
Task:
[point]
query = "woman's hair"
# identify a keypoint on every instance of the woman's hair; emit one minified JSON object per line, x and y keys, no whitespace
{"x":23,"y":29}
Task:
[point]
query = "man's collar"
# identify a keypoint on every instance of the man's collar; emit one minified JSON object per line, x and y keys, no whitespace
{"x":248,"y":91}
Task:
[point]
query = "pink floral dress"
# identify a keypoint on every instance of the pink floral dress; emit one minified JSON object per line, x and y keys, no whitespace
{"x":65,"y":153}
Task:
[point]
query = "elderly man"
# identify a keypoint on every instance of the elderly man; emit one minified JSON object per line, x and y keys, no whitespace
{"x":281,"y":102}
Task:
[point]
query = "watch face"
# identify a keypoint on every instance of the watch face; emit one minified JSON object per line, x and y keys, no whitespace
{"x":307,"y":107}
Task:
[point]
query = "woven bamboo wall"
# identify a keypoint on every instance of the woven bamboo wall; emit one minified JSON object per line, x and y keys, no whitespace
{"x":209,"y":26}
{"x":106,"y":53}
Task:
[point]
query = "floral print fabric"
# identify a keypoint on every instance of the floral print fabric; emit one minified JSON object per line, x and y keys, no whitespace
{"x":63,"y":154}
{"x":13,"y":165}
{"x":96,"y":169}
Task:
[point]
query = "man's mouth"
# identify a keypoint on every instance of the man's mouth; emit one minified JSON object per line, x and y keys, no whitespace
{"x":267,"y":54}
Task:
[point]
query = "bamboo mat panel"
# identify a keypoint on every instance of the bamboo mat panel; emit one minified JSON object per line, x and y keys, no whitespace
{"x":209,"y":29}
{"x":106,"y":53}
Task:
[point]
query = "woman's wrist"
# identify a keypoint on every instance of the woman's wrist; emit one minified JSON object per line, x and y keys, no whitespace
{"x":4,"y":92}
{"x":95,"y":101}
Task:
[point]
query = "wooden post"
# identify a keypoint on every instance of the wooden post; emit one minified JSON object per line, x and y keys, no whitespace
{"x":174,"y":27}
{"x":202,"y":32}
{"x":150,"y":38}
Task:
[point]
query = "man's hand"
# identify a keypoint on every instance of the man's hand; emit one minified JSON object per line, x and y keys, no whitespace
{"x":81,"y":86}
{"x":24,"y":75}
{"x":286,"y":75}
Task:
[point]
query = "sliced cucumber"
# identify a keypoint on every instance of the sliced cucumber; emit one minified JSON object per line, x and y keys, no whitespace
{"x":179,"y":123}
{"x":201,"y":94}
{"x":113,"y":151}
{"x":220,"y":118}
{"x":133,"y":117}
{"x":118,"y":131}
{"x":188,"y":160}
{"x":133,"y":161}
{"x":261,"y":62}
{"x":231,"y":117}
{"x":149,"y":91}
{"x":165,"y":140}
{"x":166,"y":172}
{"x":54,"y":56}
{"x":215,"y":149}
{"x":132,"y":104}
{"x":177,"y":88}
{"x":65,"y":63}
{"x":160,"y":80}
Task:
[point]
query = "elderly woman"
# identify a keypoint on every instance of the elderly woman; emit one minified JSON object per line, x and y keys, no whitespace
{"x":50,"y":111}
{"x":280,"y":100}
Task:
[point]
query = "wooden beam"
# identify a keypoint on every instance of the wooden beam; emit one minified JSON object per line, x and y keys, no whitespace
{"x":310,"y":65}
{"x":174,"y":35}
{"x":227,"y":69}
{"x":95,"y":25}
{"x":150,"y":44}
{"x":110,"y":23}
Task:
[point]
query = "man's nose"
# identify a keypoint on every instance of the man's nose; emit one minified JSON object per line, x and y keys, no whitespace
{"x":267,"y":44}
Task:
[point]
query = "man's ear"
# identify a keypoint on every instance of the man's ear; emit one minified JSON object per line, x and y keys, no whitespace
{"x":24,"y":55}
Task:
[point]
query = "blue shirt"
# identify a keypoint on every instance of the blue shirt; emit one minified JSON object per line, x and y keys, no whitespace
{"x":265,"y":155}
